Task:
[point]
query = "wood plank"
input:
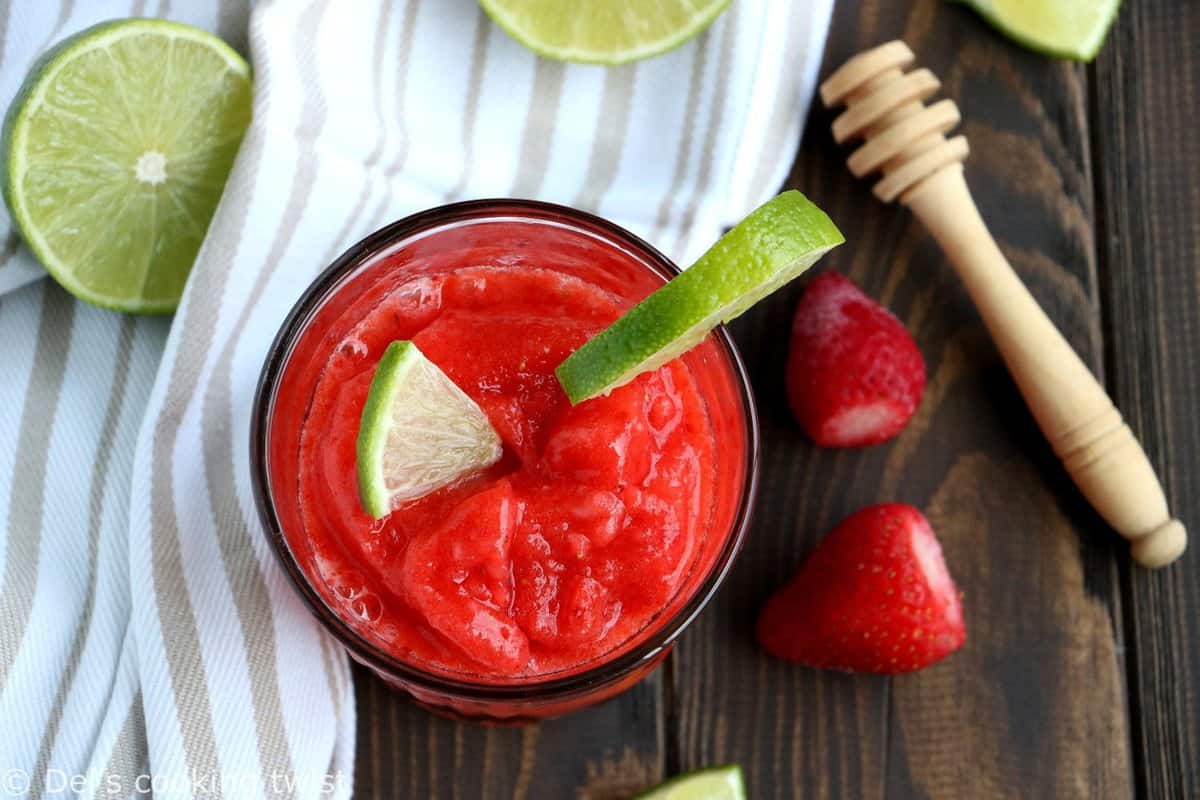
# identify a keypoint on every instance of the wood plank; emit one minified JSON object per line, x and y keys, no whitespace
{"x":608,"y":752}
{"x":1035,"y":704}
{"x":1147,"y":81}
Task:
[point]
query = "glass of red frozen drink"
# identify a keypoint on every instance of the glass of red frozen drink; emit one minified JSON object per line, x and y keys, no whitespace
{"x":563,"y":573}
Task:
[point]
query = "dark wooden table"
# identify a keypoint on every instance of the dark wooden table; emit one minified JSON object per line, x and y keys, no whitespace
{"x":1081,"y":674}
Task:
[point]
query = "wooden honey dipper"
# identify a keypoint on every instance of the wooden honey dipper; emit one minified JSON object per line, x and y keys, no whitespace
{"x":905,"y":140}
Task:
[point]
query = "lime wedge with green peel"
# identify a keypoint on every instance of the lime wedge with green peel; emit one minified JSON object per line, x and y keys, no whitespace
{"x":715,"y":783}
{"x":419,"y":432}
{"x":1068,"y":28}
{"x":114,"y":155}
{"x":602,"y":31}
{"x":774,"y":244}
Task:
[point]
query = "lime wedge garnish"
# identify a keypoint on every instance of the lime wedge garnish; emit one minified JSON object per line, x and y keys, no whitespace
{"x":1068,"y":28}
{"x":715,"y":783}
{"x":775,"y":243}
{"x":114,"y":155}
{"x":602,"y":31}
{"x":419,"y":432}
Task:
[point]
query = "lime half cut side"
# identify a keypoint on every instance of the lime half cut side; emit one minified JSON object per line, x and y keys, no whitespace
{"x":419,"y":432}
{"x":114,"y":155}
{"x":715,"y":783}
{"x":1067,"y":28}
{"x":602,"y":31}
{"x":777,"y":242}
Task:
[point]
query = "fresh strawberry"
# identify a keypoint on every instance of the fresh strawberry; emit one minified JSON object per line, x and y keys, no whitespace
{"x":875,"y":596}
{"x":854,"y":375}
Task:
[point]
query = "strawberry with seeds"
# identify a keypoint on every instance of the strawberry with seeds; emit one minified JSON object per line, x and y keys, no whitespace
{"x":854,"y":374}
{"x":875,"y":596}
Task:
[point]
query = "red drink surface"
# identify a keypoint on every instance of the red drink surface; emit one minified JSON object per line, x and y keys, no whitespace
{"x":599,"y":521}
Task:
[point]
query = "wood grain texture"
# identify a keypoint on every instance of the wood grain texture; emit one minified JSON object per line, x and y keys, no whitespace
{"x":608,"y":752}
{"x":1035,"y":704}
{"x":1145,"y":120}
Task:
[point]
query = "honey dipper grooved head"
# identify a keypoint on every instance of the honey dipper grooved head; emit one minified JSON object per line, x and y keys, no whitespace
{"x":904,"y":139}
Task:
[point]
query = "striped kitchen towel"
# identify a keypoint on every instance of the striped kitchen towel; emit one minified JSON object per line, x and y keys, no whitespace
{"x":144,"y":628}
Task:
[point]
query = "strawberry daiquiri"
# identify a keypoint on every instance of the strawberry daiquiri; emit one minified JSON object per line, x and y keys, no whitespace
{"x":559,"y":575}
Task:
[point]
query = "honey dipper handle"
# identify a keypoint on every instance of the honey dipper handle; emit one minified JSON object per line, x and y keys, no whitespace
{"x":1071,"y":407}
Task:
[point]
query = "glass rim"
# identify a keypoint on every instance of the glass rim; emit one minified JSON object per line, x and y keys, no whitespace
{"x":662,"y":633}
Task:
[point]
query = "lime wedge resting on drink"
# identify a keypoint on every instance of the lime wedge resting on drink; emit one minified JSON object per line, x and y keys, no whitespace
{"x":602,"y":31}
{"x":774,"y":244}
{"x":1068,"y":28}
{"x":715,"y":783}
{"x":419,"y":432}
{"x":114,"y":155}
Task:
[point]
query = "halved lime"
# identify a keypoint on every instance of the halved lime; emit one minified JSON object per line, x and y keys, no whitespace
{"x":115,"y":152}
{"x":1068,"y":28}
{"x":714,"y":783}
{"x":419,"y":432}
{"x":774,"y":244}
{"x":602,"y":31}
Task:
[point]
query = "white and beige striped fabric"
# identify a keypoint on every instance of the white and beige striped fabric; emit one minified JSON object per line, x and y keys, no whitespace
{"x":144,"y":628}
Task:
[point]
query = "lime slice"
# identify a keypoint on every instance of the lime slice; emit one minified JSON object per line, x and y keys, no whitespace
{"x":715,"y":783}
{"x":114,"y":155}
{"x":775,"y":243}
{"x":602,"y":31}
{"x":419,"y":432}
{"x":1068,"y":28}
